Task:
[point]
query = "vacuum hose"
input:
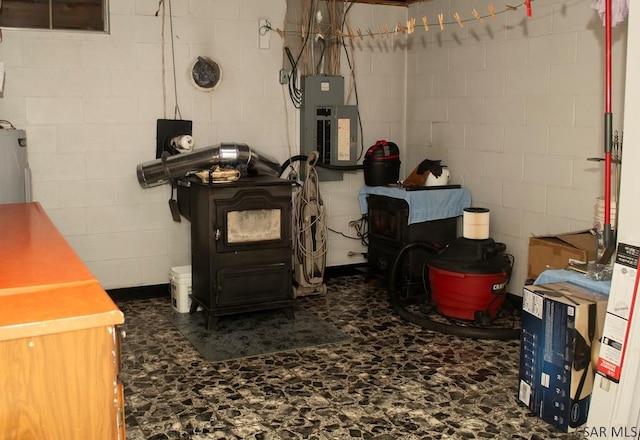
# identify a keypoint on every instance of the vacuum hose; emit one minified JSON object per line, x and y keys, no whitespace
{"x":165,"y":169}
{"x":429,"y":324}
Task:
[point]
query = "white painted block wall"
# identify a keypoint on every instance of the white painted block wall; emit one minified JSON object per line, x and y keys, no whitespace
{"x":514,"y":106}
{"x":89,"y":104}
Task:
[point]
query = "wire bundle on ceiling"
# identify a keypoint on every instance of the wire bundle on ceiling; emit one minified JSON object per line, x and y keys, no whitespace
{"x":312,"y":29}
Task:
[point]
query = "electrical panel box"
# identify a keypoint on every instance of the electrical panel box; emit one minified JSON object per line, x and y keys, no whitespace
{"x":328,"y":126}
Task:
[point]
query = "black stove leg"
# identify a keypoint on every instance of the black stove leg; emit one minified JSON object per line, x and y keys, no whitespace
{"x":194,"y":307}
{"x":211,"y":322}
{"x":288,"y":312}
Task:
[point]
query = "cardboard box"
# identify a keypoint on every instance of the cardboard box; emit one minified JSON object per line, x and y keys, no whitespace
{"x":561,"y":322}
{"x":554,"y":251}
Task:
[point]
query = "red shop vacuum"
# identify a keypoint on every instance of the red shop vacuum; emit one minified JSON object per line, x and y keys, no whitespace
{"x":467,"y":282}
{"x":468,"y":279}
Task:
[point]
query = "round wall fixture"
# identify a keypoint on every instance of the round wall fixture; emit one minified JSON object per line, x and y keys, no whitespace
{"x":205,"y":74}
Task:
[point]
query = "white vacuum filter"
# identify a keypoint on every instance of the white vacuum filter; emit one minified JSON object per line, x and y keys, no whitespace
{"x":475,"y":223}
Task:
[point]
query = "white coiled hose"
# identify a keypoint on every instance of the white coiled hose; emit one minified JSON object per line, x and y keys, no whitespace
{"x":311,"y":228}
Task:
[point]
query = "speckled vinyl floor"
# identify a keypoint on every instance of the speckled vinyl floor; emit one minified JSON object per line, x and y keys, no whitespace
{"x":391,"y":380}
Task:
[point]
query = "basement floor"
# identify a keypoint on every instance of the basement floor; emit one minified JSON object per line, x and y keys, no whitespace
{"x":392,"y":380}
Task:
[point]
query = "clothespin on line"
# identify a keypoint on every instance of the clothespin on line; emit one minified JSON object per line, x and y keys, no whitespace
{"x":279,"y":31}
{"x":441,"y":21}
{"x":425,"y":23}
{"x":477,"y":16}
{"x":360,"y":34}
{"x":457,"y":17}
{"x":411,"y":26}
{"x":351,"y":35}
{"x":491,"y":10}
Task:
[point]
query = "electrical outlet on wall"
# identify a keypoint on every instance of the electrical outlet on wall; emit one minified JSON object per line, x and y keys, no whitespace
{"x":284,"y":76}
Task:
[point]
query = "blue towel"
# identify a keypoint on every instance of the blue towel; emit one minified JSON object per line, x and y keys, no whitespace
{"x":424,"y":205}
{"x":571,"y":276}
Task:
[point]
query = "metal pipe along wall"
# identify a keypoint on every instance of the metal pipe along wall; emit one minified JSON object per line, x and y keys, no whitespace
{"x":161,"y":171}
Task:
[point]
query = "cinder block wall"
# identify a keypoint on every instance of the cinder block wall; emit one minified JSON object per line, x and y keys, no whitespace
{"x":89,"y":104}
{"x":514,"y":106}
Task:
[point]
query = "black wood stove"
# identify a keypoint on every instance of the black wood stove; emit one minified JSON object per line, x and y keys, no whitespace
{"x":389,"y":231}
{"x":241,"y":245}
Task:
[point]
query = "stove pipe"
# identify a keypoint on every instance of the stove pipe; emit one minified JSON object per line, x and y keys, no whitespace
{"x":161,"y":171}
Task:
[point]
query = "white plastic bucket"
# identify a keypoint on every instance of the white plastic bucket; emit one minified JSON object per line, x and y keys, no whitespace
{"x":180,"y":285}
{"x":600,"y":211}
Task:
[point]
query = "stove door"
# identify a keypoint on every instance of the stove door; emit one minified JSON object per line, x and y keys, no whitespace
{"x":253,"y":220}
{"x":263,"y":286}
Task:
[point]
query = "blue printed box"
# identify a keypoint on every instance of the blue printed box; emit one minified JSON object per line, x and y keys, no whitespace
{"x":561,"y":326}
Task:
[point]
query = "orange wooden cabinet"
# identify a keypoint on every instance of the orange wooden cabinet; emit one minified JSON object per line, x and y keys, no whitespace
{"x":59,"y":337}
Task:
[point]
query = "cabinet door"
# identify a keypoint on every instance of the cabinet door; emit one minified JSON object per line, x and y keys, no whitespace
{"x":61,"y":386}
{"x":120,"y":422}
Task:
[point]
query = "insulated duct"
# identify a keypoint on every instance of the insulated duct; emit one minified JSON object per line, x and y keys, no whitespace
{"x":167,"y":168}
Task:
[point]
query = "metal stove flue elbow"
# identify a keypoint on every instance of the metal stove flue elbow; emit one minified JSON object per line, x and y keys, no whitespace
{"x":167,"y":168}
